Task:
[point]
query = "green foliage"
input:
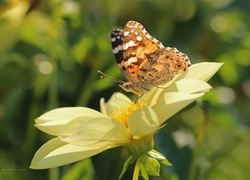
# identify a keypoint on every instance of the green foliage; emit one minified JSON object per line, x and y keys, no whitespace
{"x":50,"y":54}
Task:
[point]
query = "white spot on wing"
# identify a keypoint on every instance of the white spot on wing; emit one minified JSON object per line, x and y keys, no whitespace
{"x":131,"y":60}
{"x":113,"y":39}
{"x":139,"y":38}
{"x":116,"y":49}
{"x":125,"y":33}
{"x":129,"y":44}
{"x":148,"y":36}
{"x":144,"y":31}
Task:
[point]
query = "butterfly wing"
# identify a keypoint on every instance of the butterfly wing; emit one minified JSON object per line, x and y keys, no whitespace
{"x":168,"y":63}
{"x":143,"y":60}
{"x":137,"y":46}
{"x":116,"y":39}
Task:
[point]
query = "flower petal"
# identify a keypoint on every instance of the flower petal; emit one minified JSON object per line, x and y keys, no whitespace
{"x":56,"y":153}
{"x":53,"y":121}
{"x":143,"y":122}
{"x":201,"y":71}
{"x":172,"y":102}
{"x":115,"y":102}
{"x":99,"y":130}
{"x":188,"y":85}
{"x":72,"y":126}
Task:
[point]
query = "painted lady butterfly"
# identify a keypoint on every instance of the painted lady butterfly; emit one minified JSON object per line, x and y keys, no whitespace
{"x":143,"y":60}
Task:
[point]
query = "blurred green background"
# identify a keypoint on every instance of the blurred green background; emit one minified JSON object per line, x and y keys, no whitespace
{"x":51,"y":50}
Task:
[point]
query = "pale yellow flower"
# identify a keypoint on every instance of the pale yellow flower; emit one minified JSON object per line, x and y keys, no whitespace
{"x":83,"y":132}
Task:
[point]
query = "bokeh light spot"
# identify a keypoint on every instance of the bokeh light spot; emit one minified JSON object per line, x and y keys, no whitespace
{"x":44,"y":66}
{"x":218,"y":24}
{"x":225,"y":95}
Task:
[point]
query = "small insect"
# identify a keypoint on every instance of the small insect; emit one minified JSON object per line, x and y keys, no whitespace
{"x":143,"y":60}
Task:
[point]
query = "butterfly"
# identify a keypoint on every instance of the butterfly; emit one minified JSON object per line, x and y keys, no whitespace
{"x":143,"y":60}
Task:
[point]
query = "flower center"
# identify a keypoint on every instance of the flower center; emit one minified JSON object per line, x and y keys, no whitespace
{"x":123,"y":113}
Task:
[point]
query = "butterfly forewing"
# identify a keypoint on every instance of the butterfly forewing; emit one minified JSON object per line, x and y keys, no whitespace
{"x":137,"y":41}
{"x":137,"y":46}
{"x":116,"y":39}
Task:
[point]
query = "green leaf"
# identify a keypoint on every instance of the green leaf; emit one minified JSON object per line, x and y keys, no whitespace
{"x":158,"y":156}
{"x":166,"y":162}
{"x":143,"y":171}
{"x":125,"y":166}
{"x":82,"y":170}
{"x":151,"y":165}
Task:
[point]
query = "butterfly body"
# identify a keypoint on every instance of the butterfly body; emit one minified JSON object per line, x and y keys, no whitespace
{"x":143,"y":60}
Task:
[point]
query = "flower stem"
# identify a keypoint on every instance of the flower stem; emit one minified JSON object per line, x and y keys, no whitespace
{"x":137,"y":169}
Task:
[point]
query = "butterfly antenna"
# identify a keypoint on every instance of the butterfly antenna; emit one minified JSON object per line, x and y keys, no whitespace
{"x":109,"y":77}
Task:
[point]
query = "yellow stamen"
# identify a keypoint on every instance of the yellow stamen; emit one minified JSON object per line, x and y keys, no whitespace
{"x":123,"y":113}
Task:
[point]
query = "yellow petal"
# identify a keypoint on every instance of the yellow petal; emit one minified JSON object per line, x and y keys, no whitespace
{"x":187,"y":85}
{"x":172,"y":102}
{"x":143,"y":122}
{"x":72,"y":126}
{"x":150,"y":98}
{"x":116,"y":101}
{"x":202,"y":71}
{"x":54,"y":121}
{"x":56,"y":153}
{"x":100,"y":130}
